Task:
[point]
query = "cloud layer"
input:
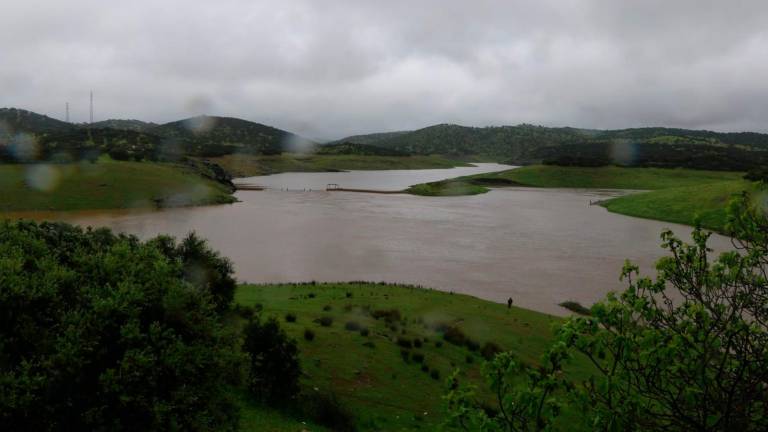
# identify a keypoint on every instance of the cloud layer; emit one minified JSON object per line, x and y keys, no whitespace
{"x":330,"y":68}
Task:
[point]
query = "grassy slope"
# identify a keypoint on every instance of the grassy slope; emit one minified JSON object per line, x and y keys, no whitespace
{"x":253,"y":165}
{"x":677,"y":195}
{"x":384,"y":391}
{"x":106,"y":184}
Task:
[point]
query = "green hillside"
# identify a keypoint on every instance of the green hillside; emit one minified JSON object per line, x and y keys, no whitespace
{"x":105,"y":184}
{"x":390,"y":371}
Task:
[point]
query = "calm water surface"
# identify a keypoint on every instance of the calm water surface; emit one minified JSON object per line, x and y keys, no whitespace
{"x":538,"y":246}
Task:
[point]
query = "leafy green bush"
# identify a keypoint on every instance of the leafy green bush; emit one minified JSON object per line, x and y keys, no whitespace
{"x":290,"y":317}
{"x":325,"y":321}
{"x":104,"y":332}
{"x":309,"y":335}
{"x":352,"y":326}
{"x":686,"y":350}
{"x":274,"y":360}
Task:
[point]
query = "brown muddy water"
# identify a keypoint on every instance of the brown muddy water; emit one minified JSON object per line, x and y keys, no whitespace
{"x":538,"y":246}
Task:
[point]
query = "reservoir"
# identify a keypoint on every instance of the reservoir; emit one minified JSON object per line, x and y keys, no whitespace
{"x":538,"y":246}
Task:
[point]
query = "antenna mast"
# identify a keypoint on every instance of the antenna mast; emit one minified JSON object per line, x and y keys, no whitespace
{"x":67,"y":109}
{"x":91,"y":106}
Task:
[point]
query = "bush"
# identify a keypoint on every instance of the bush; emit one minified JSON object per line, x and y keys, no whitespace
{"x":438,"y":344}
{"x":472,"y":345}
{"x":454,"y":335}
{"x":274,"y":359}
{"x":352,"y":326}
{"x":99,"y":330}
{"x":364,"y":332}
{"x":470,"y":359}
{"x":369,"y":344}
{"x":326,"y":410}
{"x":327,"y":308}
{"x":405,"y":354}
{"x":404,"y":342}
{"x":489,"y":350}
{"x":418,"y":357}
{"x":424,"y":368}
{"x":417,"y":343}
{"x":349,"y":294}
{"x":201,"y":266}
{"x":290,"y":317}
{"x":325,"y":321}
{"x":309,"y":335}
{"x":389,"y":315}
{"x":575,"y":307}
{"x":434,"y":374}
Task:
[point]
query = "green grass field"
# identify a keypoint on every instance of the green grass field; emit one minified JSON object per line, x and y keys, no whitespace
{"x":105,"y":184}
{"x":676,"y":195}
{"x":240,"y":165}
{"x":610,"y":177}
{"x":368,"y":373}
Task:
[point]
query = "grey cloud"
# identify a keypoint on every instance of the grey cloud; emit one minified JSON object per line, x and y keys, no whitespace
{"x":331,"y":68}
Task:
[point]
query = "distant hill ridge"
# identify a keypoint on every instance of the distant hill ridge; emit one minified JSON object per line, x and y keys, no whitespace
{"x":524,"y":143}
{"x":521,"y":143}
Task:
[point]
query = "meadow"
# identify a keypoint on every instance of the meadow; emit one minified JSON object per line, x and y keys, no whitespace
{"x":386,"y":350}
{"x":105,"y":184}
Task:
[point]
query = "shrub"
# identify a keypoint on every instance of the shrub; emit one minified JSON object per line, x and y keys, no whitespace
{"x":405,"y":354}
{"x":489,"y":350}
{"x":201,"y":266}
{"x":434,"y":374}
{"x":438,"y":344}
{"x":364,"y":332}
{"x":454,"y":335}
{"x":575,"y":307}
{"x":472,"y":345}
{"x":309,"y":335}
{"x":326,"y":410}
{"x":311,"y":295}
{"x":352,"y":326}
{"x":404,"y":342}
{"x":290,"y":317}
{"x":99,"y":329}
{"x":274,"y":360}
{"x":369,"y":344}
{"x":325,"y":321}
{"x":424,"y":368}
{"x":470,"y":359}
{"x":349,"y":294}
{"x":389,"y":315}
{"x":418,"y":357}
{"x":327,"y":308}
{"x":417,"y":343}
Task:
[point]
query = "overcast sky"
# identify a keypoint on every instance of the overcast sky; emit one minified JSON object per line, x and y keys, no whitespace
{"x":329,"y":68}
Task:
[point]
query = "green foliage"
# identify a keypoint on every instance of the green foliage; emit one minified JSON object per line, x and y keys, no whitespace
{"x":202,"y":267}
{"x":757,"y":175}
{"x":687,"y":350}
{"x":525,"y":397}
{"x":348,"y":148}
{"x":275,"y":370}
{"x":102,"y":332}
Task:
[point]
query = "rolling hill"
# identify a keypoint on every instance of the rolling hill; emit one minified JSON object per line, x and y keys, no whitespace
{"x":14,"y":120}
{"x":521,"y":144}
{"x":215,"y":136}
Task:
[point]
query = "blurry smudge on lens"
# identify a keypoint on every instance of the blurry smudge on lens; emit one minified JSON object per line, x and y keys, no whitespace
{"x":24,"y":147}
{"x":200,"y":124}
{"x":623,"y":152}
{"x":297,"y":144}
{"x":43,"y":177}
